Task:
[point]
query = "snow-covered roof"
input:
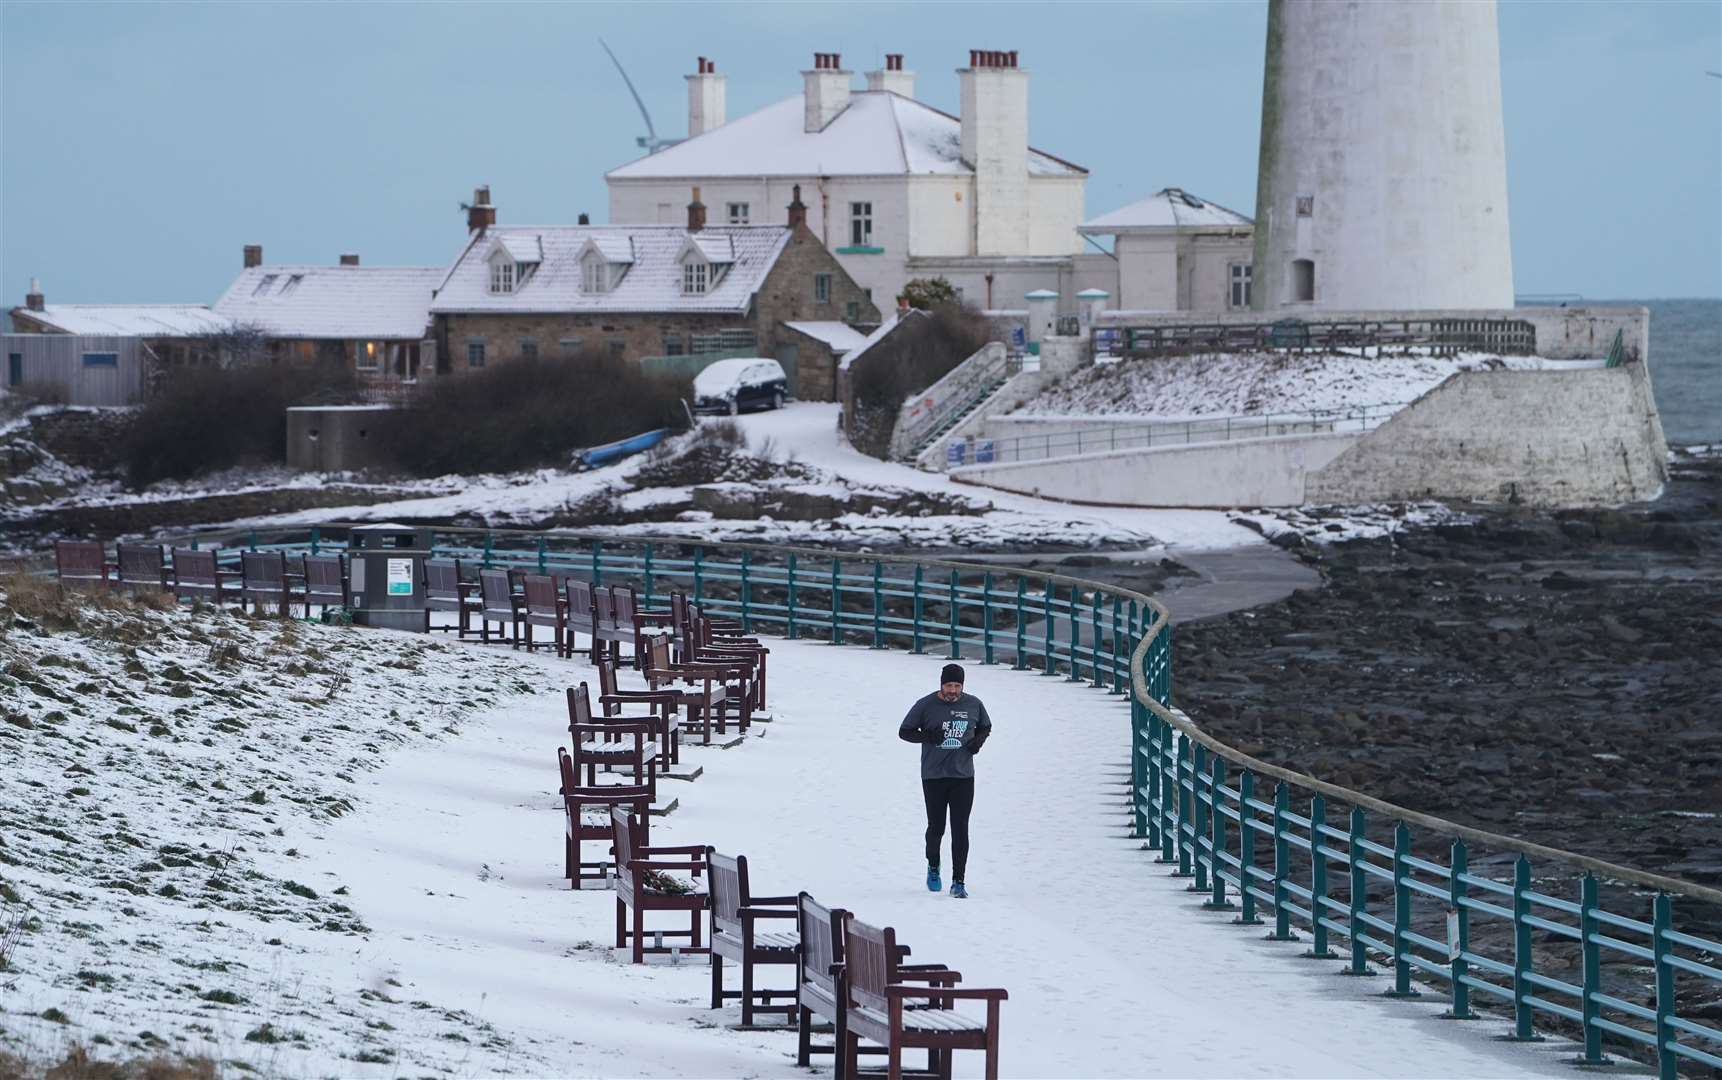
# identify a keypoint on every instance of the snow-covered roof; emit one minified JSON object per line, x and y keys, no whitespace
{"x":361,"y":302}
{"x":653,"y":281}
{"x":1169,"y":208}
{"x":131,"y":320}
{"x":840,"y":336}
{"x":616,"y":249}
{"x":880,"y":134}
{"x":520,"y":247}
{"x":884,"y":331}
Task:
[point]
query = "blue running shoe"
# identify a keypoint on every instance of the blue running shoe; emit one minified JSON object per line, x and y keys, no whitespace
{"x":958,"y":891}
{"x":933,"y":883}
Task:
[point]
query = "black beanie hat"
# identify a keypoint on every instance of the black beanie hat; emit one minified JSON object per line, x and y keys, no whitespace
{"x":952,"y":673}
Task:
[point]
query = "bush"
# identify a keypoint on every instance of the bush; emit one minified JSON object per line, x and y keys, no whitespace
{"x":213,"y":418}
{"x":529,"y":412}
{"x":930,"y":294}
{"x":906,"y":362}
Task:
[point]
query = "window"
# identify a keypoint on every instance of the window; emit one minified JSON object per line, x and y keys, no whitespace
{"x":860,"y":224}
{"x":852,"y":311}
{"x":1306,"y":206}
{"x":672,"y":345}
{"x":570,"y":346}
{"x":958,"y":290}
{"x":737,"y":213}
{"x":595,"y":275}
{"x":1241,"y":275}
{"x":474,"y":354}
{"x":365,"y":356}
{"x":695,"y":276}
{"x":822,"y":288}
{"x":14,"y":368}
{"x":502,"y":276}
{"x":1303,"y":279}
{"x":291,"y":283}
{"x":102,"y":359}
{"x":528,"y":349}
{"x":618,"y":349}
{"x":263,"y":285}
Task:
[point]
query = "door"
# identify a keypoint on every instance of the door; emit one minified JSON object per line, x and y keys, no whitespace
{"x":14,"y":369}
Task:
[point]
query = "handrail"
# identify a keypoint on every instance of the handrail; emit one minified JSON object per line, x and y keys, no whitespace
{"x":1442,"y":334}
{"x":1195,"y":798}
{"x":1147,"y":434}
{"x":949,"y":395}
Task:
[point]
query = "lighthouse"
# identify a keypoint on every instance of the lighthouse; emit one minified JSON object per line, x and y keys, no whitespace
{"x":1383,"y":175}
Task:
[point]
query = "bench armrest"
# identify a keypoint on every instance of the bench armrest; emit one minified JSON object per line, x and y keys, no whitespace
{"x":647,"y":864}
{"x":898,"y":990}
{"x":686,"y":849}
{"x":772,"y":901}
{"x":930,"y":974}
{"x":622,"y":697}
{"x":765,"y":913}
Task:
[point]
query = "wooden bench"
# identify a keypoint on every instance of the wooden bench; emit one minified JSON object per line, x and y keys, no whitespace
{"x":325,"y":582}
{"x":711,"y":688}
{"x":820,"y":992}
{"x":881,"y":1007}
{"x":446,"y":591}
{"x":704,"y":644}
{"x":497,"y":604}
{"x":141,"y":566}
{"x":197,"y":575}
{"x":607,"y":634}
{"x":82,"y":564}
{"x":736,"y":935}
{"x":606,"y":742}
{"x":629,"y":621}
{"x":577,"y":612}
{"x":587,"y":814}
{"x":636,"y":895}
{"x":662,"y":703}
{"x":543,"y":608}
{"x":265,"y":579}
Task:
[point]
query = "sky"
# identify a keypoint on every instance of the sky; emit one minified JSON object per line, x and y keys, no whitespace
{"x":143,"y":144}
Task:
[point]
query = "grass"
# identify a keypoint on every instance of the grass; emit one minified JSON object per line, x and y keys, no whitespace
{"x":79,"y":1064}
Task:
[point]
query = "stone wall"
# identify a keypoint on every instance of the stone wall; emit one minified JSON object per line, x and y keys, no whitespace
{"x":638,"y":334}
{"x":1589,"y":437}
{"x":787,"y":295}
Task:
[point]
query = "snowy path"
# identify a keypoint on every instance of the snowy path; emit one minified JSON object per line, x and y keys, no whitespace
{"x":1112,"y":967}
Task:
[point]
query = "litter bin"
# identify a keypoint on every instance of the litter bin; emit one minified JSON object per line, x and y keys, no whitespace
{"x":387,"y":581}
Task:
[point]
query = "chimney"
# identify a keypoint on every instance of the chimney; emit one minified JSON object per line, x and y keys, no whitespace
{"x":585,"y":219}
{"x":696,"y":212}
{"x":34,"y":300}
{"x":705,"y":99}
{"x":349,"y":260}
{"x":825,"y":91}
{"x":892,"y":77}
{"x":995,"y":145}
{"x":797,"y":209}
{"x":253,"y":255}
{"x":480,"y":215}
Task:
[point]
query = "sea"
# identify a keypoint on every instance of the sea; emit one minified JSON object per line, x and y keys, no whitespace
{"x":1685,"y":367}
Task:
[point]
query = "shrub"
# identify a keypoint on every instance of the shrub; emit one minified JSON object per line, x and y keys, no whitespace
{"x":529,"y":412}
{"x":909,"y":360}
{"x":212,"y":418}
{"x":929,"y":294}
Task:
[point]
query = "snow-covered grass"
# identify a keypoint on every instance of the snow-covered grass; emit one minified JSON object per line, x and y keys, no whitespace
{"x":366,"y":883}
{"x":1233,"y":384}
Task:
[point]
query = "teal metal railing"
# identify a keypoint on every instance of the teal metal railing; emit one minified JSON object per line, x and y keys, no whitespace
{"x":1253,"y":837}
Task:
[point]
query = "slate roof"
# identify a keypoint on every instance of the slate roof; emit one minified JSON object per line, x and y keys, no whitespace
{"x":880,"y":133}
{"x":130,"y":320}
{"x":354,"y":302}
{"x":1168,"y":208}
{"x":651,"y":283}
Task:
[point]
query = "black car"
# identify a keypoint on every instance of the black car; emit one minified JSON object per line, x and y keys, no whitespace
{"x":740,"y":384}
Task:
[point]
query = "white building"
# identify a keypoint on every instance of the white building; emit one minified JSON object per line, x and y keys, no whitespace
{"x":1177,"y":252}
{"x":895,"y":188}
{"x":1383,"y":175}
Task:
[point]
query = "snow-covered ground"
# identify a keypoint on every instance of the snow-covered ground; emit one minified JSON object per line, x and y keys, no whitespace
{"x":1233,"y":384}
{"x":366,"y":862}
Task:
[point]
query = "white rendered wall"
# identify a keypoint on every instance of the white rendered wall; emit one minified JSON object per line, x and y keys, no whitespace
{"x":1055,"y":208}
{"x":1147,"y":272}
{"x":1386,"y":115}
{"x":1210,"y":259}
{"x":941,"y":215}
{"x":995,"y":143}
{"x":705,"y":103}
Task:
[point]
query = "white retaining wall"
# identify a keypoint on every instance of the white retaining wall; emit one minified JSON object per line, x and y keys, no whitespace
{"x":1589,"y":437}
{"x":1244,"y":472}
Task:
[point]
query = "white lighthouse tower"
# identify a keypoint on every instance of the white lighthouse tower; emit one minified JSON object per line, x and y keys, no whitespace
{"x":1383,"y":175}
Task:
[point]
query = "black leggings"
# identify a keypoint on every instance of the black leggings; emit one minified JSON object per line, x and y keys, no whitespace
{"x":959,"y":797}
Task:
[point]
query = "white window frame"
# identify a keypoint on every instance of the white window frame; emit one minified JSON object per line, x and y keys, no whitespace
{"x":501,"y":276}
{"x":822,"y":288}
{"x":696,"y":277}
{"x":594,"y":275}
{"x":1240,"y":275}
{"x":737,"y":213}
{"x":529,"y":348}
{"x":367,"y":356}
{"x":861,"y":224}
{"x":470,"y":346}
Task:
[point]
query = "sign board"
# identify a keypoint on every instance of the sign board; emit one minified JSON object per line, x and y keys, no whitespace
{"x":400,"y":577}
{"x":1018,"y":336}
{"x":1452,"y":935}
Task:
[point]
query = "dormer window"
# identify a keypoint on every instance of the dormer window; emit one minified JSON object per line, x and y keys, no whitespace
{"x":595,"y":275}
{"x":512,"y":263}
{"x":696,"y":277}
{"x":502,"y":276}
